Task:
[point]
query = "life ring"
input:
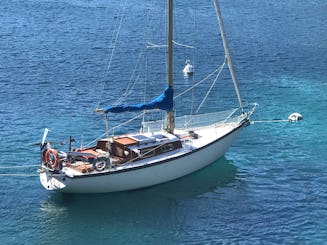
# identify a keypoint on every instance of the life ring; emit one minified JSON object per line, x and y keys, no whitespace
{"x":51,"y":157}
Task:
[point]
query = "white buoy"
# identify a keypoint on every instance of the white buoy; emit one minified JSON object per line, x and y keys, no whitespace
{"x":294,"y":117}
{"x":188,"y":69}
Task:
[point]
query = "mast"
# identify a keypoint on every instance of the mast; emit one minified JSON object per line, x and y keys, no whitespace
{"x":227,"y":53}
{"x":170,"y":114}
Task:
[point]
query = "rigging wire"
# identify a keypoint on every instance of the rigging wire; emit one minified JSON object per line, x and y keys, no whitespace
{"x":114,"y":43}
{"x":211,"y":87}
{"x":183,"y":45}
{"x":113,"y":128}
{"x":201,"y":81}
{"x":153,"y":45}
{"x":132,"y":82}
{"x":146,"y":30}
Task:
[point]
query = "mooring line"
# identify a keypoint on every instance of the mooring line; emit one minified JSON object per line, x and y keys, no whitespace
{"x":294,"y":117}
{"x":269,"y":121}
{"x":20,"y":175}
{"x":22,"y":166}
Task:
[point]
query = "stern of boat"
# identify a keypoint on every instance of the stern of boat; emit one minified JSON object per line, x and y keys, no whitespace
{"x":53,"y":181}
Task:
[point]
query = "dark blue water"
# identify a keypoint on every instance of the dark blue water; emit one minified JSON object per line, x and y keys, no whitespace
{"x":271,"y":187}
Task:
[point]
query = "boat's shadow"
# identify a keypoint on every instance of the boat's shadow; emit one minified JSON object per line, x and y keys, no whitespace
{"x":114,"y":212}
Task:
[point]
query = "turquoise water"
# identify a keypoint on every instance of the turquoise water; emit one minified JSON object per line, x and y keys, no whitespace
{"x":271,"y":187}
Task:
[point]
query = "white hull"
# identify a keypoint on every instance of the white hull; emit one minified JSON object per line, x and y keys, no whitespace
{"x":144,"y":175}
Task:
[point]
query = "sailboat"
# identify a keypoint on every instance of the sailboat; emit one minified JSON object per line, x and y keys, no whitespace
{"x":157,"y":154}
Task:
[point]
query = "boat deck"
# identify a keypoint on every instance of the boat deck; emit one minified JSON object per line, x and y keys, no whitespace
{"x":142,"y":149}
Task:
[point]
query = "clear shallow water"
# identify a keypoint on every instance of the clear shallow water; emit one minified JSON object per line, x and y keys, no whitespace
{"x":271,"y":185}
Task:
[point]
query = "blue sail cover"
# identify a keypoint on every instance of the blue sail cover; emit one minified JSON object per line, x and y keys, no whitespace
{"x":164,"y":102}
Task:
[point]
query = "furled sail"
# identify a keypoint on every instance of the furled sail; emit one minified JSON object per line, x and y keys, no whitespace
{"x":163,"y":102}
